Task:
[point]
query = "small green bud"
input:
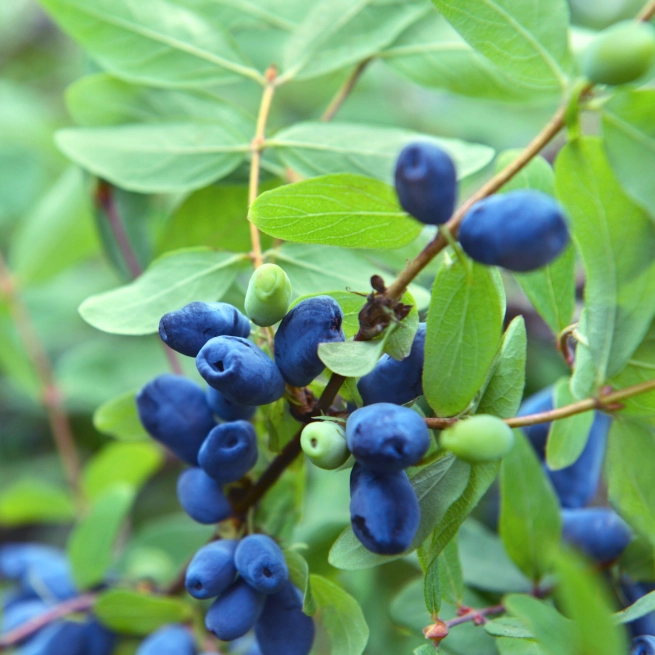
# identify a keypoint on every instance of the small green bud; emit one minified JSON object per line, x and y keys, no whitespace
{"x":620,"y":54}
{"x":268,"y":295}
{"x":481,"y":438}
{"x":324,"y":442}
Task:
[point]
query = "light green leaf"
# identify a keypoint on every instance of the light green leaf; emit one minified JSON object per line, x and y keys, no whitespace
{"x":629,"y":132}
{"x":135,"y":613}
{"x":335,"y":210}
{"x":534,"y":37}
{"x":299,"y":574}
{"x":568,"y":436}
{"x":29,"y":501}
{"x":507,"y":627}
{"x":353,"y":359}
{"x":504,"y":391}
{"x":155,"y":42}
{"x":607,"y":225}
{"x":510,"y":646}
{"x":170,"y":282}
{"x":450,"y":574}
{"x":630,"y":473}
{"x":645,"y":605}
{"x":315,"y":148}
{"x":129,"y":463}
{"x":91,"y":544}
{"x":530,"y":523}
{"x":463,"y":334}
{"x":156,"y":158}
{"x":399,"y":343}
{"x":338,"y":33}
{"x":119,"y":419}
{"x":342,"y":617}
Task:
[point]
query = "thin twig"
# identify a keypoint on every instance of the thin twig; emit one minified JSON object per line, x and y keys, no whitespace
{"x":477,"y":616}
{"x":79,"y":604}
{"x":256,"y":148}
{"x":51,"y":396}
{"x":647,"y":12}
{"x":343,"y":93}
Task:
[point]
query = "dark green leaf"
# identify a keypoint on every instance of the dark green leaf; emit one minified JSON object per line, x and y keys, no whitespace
{"x":450,"y":574}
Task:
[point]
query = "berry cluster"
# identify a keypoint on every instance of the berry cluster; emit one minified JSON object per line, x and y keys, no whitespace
{"x":43,"y":580}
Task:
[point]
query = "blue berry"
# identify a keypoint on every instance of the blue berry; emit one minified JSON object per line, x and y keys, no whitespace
{"x":599,"y":532}
{"x":188,"y":329}
{"x":16,"y":558}
{"x":175,"y":412}
{"x":169,"y":640}
{"x":520,"y":230}
{"x":229,"y":451}
{"x":393,"y":381}
{"x":50,"y":578}
{"x":98,"y":639}
{"x":240,"y":370}
{"x":211,"y":570}
{"x":426,"y":183}
{"x":386,"y":438}
{"x":384,"y":510}
{"x":201,"y":497}
{"x":312,"y":321}
{"x":61,"y":638}
{"x":632,"y":592}
{"x":261,"y":563}
{"x":283,"y":628}
{"x":233,"y":613}
{"x":643,"y":645}
{"x":542,"y":401}
{"x":226,"y":410}
{"x":21,"y":612}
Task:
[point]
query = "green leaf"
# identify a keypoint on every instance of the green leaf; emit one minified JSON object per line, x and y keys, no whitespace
{"x":170,"y":282}
{"x":30,"y":501}
{"x":353,"y":359}
{"x":342,"y":617}
{"x":91,"y":544}
{"x":129,"y":463}
{"x":57,"y":233}
{"x":584,"y":598}
{"x":314,"y":148}
{"x":606,"y":225}
{"x":299,"y":574}
{"x":119,"y":419}
{"x":550,"y":289}
{"x":463,"y":334}
{"x":339,"y":33}
{"x":504,"y":391}
{"x":645,"y":605}
{"x":509,"y":646}
{"x":630,"y":474}
{"x":638,"y":560}
{"x":134,"y":613}
{"x":437,"y":486}
{"x":350,"y":304}
{"x":535,"y":40}
{"x":629,"y":132}
{"x":568,"y":436}
{"x":156,"y":158}
{"x":155,"y":42}
{"x":450,"y":574}
{"x":401,"y":338}
{"x":507,"y":627}
{"x":432,"y":587}
{"x":530,"y":523}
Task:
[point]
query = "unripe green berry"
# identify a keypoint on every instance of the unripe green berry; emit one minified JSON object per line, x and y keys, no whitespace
{"x":268,"y":295}
{"x":481,"y":438}
{"x":324,"y":442}
{"x":620,"y":54}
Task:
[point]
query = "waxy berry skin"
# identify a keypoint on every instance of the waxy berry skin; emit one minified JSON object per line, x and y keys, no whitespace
{"x":169,"y":640}
{"x":261,"y":563}
{"x":212,"y":569}
{"x":234,"y":612}
{"x":229,"y":451}
{"x":201,"y":497}
{"x":225,"y":409}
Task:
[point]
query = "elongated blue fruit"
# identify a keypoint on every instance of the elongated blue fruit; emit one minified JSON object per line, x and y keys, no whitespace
{"x":426,"y":182}
{"x":188,"y":329}
{"x":233,"y":613}
{"x":241,"y":371}
{"x":212,"y":569}
{"x":283,"y":628}
{"x":175,"y":412}
{"x":61,"y":638}
{"x":17,"y":558}
{"x":384,"y":510}
{"x":643,"y":645}
{"x":387,"y":438}
{"x":393,"y":381}
{"x":201,"y":497}
{"x":261,"y":563}
{"x":229,"y":451}
{"x":520,"y":230}
{"x":542,"y":401}
{"x":98,"y":640}
{"x":50,"y":578}
{"x":632,"y":592}
{"x":227,"y":410}
{"x":22,"y":612}
{"x":169,"y":640}
{"x":311,"y":322}
{"x":599,"y":532}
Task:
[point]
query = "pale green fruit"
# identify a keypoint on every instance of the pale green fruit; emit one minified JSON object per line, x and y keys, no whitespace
{"x":324,"y":442}
{"x":481,"y":438}
{"x":268,"y":295}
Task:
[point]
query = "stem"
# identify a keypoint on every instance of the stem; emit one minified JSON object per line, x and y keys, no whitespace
{"x":51,"y":396}
{"x":475,"y":615}
{"x":256,"y":148}
{"x":647,"y":12}
{"x":343,"y":93}
{"x":79,"y":604}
